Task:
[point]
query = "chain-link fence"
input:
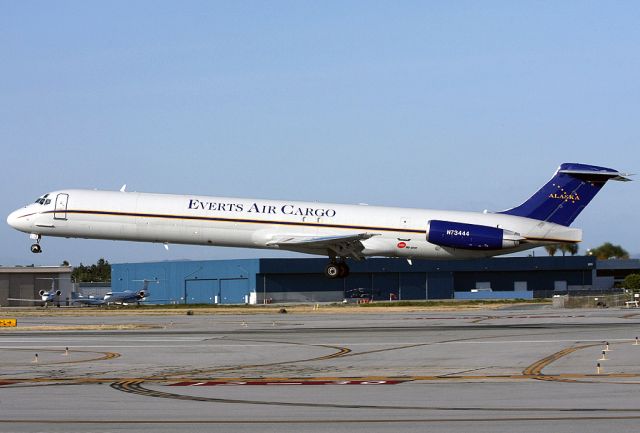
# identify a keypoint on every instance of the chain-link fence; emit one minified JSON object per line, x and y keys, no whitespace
{"x":595,"y":301}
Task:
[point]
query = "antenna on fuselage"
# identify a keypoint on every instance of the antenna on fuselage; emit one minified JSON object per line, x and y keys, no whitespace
{"x":124,"y":187}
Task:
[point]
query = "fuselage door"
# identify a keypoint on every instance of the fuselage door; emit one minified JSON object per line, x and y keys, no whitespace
{"x":60,"y":211}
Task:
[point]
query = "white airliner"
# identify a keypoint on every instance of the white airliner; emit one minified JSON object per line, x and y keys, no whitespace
{"x":336,"y":230}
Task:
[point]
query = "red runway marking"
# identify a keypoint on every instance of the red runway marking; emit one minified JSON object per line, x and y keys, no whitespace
{"x":307,"y":382}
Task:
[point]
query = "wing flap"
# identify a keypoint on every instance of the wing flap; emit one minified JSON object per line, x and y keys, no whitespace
{"x":341,"y":245}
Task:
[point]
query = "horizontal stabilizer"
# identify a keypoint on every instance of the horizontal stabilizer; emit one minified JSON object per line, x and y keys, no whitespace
{"x":595,"y":174}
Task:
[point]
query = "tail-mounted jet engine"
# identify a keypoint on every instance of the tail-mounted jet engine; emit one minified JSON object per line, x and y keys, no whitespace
{"x":470,"y":236}
{"x":42,"y":292}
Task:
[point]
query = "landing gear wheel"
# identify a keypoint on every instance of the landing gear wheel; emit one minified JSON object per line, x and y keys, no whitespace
{"x":344,"y":270}
{"x":337,"y":270}
{"x":332,"y":270}
{"x":35,"y":248}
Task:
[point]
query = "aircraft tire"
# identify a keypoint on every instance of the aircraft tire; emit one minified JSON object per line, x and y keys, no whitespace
{"x":332,"y":270}
{"x":35,"y":249}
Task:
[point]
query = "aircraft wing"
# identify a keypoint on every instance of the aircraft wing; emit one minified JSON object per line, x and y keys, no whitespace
{"x":26,"y":300}
{"x":341,"y":246}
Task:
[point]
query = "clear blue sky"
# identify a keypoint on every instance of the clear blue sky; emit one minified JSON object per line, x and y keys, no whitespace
{"x":456,"y":105}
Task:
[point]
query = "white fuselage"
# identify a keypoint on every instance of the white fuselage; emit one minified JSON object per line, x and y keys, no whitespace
{"x":255,"y":223}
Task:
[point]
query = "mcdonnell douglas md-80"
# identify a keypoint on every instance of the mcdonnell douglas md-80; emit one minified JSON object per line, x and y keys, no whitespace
{"x":334,"y":230}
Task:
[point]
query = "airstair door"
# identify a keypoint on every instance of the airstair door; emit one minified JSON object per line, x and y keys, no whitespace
{"x":60,"y":211}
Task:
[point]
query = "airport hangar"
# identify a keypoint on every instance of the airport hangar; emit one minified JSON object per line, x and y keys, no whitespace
{"x":302,"y":280}
{"x":24,"y":282}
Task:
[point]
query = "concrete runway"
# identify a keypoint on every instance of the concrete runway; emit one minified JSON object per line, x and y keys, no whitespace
{"x":515,"y":370}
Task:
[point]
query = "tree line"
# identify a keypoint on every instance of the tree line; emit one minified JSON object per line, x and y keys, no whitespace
{"x":98,"y":273}
{"x":603,"y":252}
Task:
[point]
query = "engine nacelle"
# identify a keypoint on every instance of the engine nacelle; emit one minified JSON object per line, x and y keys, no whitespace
{"x":141,"y":294}
{"x":470,"y":236}
{"x":58,"y":293}
{"x":41,"y":292}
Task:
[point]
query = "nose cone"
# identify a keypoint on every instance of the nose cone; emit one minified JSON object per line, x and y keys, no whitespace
{"x":12,"y":218}
{"x":18,"y":220}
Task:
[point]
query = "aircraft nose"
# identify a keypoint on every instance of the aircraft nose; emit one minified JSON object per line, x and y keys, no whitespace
{"x":17,"y":221}
{"x":11,"y":219}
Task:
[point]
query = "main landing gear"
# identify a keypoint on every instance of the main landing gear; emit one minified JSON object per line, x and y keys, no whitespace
{"x":336,"y":269}
{"x":36,"y":248}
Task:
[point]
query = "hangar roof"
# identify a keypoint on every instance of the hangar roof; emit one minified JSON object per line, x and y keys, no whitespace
{"x":36,"y":269}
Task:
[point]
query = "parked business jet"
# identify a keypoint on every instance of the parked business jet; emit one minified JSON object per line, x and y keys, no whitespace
{"x":129,"y":297}
{"x":126,"y":297}
{"x":46,"y":296}
{"x":121,"y":298}
{"x":335,"y":230}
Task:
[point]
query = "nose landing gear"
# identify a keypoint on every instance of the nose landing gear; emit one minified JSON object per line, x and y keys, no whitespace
{"x":36,"y":248}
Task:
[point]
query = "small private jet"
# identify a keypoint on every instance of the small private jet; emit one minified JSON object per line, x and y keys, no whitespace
{"x":51,"y":296}
{"x":127,"y":297}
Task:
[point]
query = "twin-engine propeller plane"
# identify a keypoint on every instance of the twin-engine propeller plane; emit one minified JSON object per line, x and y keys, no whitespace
{"x":335,"y":230}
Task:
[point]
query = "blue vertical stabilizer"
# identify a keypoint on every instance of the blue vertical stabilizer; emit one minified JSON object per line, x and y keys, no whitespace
{"x":570,"y":190}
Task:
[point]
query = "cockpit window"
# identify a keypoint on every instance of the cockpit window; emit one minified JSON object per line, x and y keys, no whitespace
{"x":43,"y":199}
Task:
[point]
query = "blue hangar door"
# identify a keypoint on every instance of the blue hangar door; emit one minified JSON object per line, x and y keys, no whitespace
{"x":234,"y":291}
{"x":440,"y":285}
{"x":200,"y":291}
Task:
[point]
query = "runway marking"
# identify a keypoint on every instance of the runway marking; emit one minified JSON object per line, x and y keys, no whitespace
{"x":535,"y":369}
{"x":104,"y":356}
{"x":290,"y":382}
{"x":135,"y":387}
{"x":341,"y":351}
{"x":598,"y":378}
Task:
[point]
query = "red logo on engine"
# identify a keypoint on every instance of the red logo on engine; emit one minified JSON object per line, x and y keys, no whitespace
{"x":402,"y":244}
